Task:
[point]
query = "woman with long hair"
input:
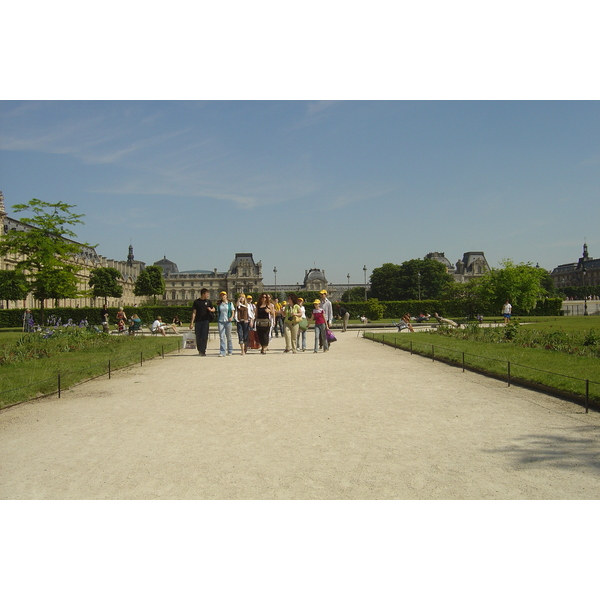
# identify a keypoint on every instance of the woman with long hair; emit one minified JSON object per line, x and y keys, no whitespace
{"x":225,"y":312}
{"x":243,"y":322}
{"x":265,"y":312}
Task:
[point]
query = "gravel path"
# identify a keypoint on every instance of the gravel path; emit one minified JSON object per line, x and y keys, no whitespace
{"x":363,"y":421}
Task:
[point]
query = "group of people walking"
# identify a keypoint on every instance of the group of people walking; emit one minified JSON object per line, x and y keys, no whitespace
{"x":261,"y":320}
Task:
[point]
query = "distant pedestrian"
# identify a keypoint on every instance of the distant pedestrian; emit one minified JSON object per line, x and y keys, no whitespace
{"x":318,"y":316}
{"x":293,"y":315}
{"x":104,"y":318}
{"x":302,"y":327}
{"x":344,"y":315}
{"x":265,"y":313}
{"x":507,"y":311}
{"x":243,"y":322}
{"x":202,"y":314}
{"x":327,"y":308}
{"x":225,"y":314}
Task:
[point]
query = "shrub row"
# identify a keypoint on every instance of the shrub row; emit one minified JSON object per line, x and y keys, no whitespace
{"x":373,"y":309}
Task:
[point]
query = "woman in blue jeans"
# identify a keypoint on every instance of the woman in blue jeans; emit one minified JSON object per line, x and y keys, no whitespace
{"x":242,"y":318}
{"x":225,"y":312}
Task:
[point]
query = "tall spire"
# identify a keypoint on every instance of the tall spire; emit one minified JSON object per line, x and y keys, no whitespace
{"x":585,"y":251}
{"x":130,"y":256}
{"x":2,"y":209}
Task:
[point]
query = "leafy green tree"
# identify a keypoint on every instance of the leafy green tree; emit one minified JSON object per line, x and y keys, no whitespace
{"x":13,"y":286}
{"x":45,"y":255}
{"x":413,"y":278}
{"x":150,"y":282}
{"x":548,"y":284}
{"x":385,"y":282}
{"x":520,"y":283}
{"x":104,"y":283}
{"x":355,"y":294}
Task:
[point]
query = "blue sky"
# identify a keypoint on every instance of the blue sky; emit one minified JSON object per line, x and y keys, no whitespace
{"x":336,"y":185}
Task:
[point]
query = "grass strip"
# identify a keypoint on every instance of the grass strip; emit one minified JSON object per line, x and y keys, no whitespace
{"x":29,"y":379}
{"x":562,"y":372}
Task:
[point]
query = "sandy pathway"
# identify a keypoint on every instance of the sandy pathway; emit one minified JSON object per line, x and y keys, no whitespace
{"x":363,"y":421}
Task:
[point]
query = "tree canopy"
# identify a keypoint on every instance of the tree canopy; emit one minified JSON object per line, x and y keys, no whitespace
{"x":104,"y":283}
{"x":13,"y":286}
{"x":413,"y":278}
{"x":355,"y":294}
{"x":150,"y":282}
{"x":520,"y":283}
{"x":45,"y":255}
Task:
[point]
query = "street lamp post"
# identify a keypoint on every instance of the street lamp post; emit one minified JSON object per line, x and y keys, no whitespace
{"x":365,"y":272}
{"x":275,"y":271}
{"x":348,"y":276}
{"x":419,"y":279}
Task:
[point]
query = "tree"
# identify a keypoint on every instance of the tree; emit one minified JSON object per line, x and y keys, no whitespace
{"x":150,"y":282}
{"x":104,"y":283}
{"x":13,"y":286}
{"x":385,"y":282}
{"x":355,"y":294}
{"x":413,"y":278}
{"x":520,"y":283}
{"x":46,"y":257}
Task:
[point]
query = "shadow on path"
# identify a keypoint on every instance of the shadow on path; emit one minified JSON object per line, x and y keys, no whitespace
{"x":570,"y":452}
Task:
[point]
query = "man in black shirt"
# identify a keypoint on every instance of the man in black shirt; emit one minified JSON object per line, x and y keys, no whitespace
{"x":202,"y":315}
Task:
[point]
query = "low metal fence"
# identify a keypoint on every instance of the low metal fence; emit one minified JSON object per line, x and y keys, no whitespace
{"x":585,"y":391}
{"x":59,"y":382}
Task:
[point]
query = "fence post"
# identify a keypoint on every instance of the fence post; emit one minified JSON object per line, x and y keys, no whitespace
{"x":141,"y":359}
{"x":432,"y":352}
{"x":411,"y":347}
{"x":463,"y":362}
{"x":508,"y":373}
{"x":587,"y":394}
{"x":59,"y":385}
{"x":109,"y":369}
{"x":163,"y":350}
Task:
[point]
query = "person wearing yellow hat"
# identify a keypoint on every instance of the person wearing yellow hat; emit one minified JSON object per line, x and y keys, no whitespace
{"x":318,"y":316}
{"x":327,"y":308}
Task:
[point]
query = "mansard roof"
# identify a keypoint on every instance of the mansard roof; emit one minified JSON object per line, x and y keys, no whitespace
{"x":242,"y":257}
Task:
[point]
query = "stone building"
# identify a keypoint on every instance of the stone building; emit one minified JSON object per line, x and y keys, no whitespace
{"x":183,"y":287}
{"x":586,"y":271}
{"x":473,"y":264}
{"x":87,"y":259}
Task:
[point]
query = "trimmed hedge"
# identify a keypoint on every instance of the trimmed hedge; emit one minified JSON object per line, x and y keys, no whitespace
{"x":392,"y":310}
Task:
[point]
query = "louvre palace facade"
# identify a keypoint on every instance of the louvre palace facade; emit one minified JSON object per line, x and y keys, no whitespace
{"x":87,"y":260}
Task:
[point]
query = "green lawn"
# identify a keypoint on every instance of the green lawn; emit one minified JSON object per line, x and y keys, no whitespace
{"x":26,"y":379}
{"x":565,"y":372}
